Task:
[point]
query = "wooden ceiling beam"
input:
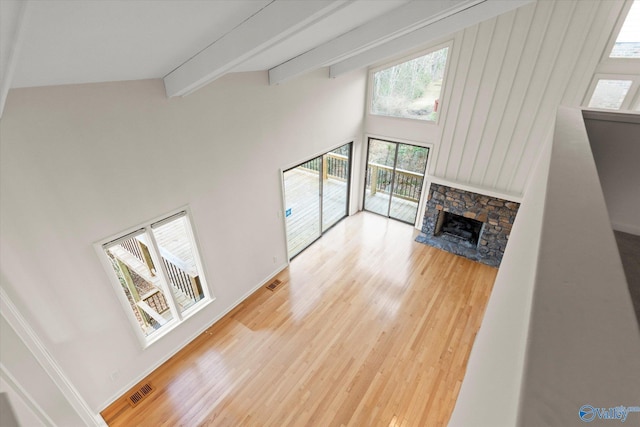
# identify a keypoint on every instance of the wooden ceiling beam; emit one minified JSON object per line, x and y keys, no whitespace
{"x":471,"y":15}
{"x":273,"y":23}
{"x":400,"y":21}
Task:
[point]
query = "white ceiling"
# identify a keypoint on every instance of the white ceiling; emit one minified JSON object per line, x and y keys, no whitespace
{"x":191,"y":42}
{"x":75,"y":41}
{"x":71,"y":41}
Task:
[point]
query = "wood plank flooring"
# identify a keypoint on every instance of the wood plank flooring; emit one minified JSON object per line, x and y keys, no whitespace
{"x":368,"y":328}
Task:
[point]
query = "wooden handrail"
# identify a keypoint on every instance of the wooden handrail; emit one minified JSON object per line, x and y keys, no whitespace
{"x":151,"y":312}
{"x":401,"y":171}
{"x":409,"y":186}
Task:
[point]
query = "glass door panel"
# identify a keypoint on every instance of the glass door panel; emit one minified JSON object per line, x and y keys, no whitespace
{"x":394,"y":177}
{"x":381,"y":159}
{"x":302,"y":189}
{"x":335,"y":185}
{"x":411,"y":164}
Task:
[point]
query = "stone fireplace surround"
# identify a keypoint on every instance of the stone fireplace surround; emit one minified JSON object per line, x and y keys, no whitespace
{"x":497,"y":216}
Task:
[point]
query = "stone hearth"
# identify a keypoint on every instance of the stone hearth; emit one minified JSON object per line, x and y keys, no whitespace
{"x":496,"y":216}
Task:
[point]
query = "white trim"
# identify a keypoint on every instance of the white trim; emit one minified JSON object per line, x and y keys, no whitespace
{"x":422,"y":52}
{"x":178,"y":317}
{"x":413,"y":55}
{"x":147,"y":309}
{"x":122,"y":298}
{"x":274,"y":23}
{"x":473,"y":189}
{"x":51,"y":367}
{"x":614,"y":35}
{"x":316,"y":154}
{"x":417,"y":224}
{"x":14,"y":54}
{"x":27,"y":399}
{"x":191,"y":337}
{"x":448,"y":25}
{"x":282,"y":213}
{"x":611,"y":115}
{"x":628,"y":97}
{"x":626,"y":228}
{"x":392,"y":24}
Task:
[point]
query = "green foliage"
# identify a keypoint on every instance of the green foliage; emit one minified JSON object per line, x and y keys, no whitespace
{"x":410,"y":157}
{"x":410,"y":89}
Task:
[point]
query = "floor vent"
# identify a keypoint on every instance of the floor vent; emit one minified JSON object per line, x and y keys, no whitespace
{"x":139,"y":395}
{"x":273,"y":285}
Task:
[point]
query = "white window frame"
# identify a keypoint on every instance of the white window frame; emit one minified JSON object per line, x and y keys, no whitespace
{"x":178,"y":317}
{"x":614,"y":37}
{"x":617,"y":69}
{"x":423,"y":52}
{"x":629,"y":98}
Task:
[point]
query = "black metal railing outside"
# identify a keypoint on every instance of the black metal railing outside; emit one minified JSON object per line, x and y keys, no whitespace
{"x":408,"y":185}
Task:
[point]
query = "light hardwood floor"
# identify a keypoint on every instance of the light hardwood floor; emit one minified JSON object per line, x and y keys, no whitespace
{"x":368,"y":328}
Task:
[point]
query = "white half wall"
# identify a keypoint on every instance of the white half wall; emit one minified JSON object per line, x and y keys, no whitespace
{"x":490,"y":392}
{"x":559,"y":331}
{"x":80,"y":163}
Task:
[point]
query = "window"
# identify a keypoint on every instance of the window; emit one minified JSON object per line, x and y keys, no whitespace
{"x":157,"y":273}
{"x":609,"y":94}
{"x":411,"y":89}
{"x":615,"y":86}
{"x":627,"y":44}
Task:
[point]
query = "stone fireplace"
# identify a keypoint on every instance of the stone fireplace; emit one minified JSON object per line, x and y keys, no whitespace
{"x":468,"y":224}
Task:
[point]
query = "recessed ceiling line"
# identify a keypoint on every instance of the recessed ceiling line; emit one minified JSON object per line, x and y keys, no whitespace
{"x":221,"y":37}
{"x":14,"y":54}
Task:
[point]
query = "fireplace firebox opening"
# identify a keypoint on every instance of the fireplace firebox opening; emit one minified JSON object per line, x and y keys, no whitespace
{"x":458,"y":227}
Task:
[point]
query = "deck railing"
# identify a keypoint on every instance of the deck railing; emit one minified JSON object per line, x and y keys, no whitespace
{"x":181,"y":277}
{"x":335,"y":166}
{"x":133,"y":247}
{"x":407,"y":185}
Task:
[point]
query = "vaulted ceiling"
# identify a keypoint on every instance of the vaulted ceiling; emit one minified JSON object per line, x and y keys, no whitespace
{"x":189,"y":43}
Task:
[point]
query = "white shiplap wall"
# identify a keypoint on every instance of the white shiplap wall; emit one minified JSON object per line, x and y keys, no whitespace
{"x":507,"y":77}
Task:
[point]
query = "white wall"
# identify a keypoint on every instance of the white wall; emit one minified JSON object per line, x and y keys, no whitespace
{"x":80,"y":163}
{"x":615,"y":142}
{"x":506,"y":78}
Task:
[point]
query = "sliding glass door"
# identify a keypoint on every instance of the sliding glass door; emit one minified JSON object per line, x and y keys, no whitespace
{"x":394,"y":177}
{"x":335,"y":185}
{"x":316,"y":195}
{"x":302,"y":189}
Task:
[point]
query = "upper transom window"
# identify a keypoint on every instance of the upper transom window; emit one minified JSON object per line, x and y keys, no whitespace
{"x":616,"y":83}
{"x":627,"y":43}
{"x":411,"y":89}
